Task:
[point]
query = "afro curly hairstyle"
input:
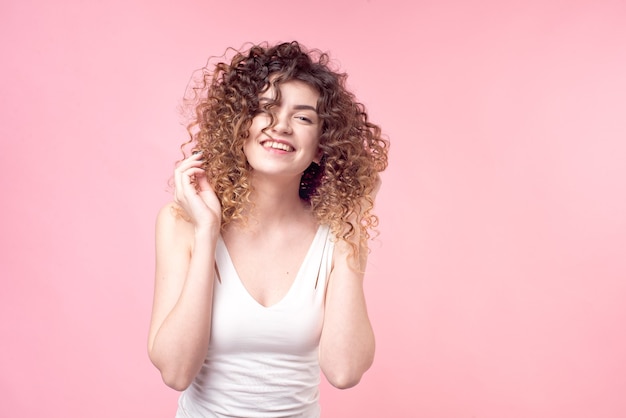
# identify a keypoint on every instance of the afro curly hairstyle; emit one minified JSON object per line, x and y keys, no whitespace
{"x":223,"y":103}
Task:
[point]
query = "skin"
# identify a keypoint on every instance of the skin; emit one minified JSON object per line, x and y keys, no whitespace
{"x":267,"y":252}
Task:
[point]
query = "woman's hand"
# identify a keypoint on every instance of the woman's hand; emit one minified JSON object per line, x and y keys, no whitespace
{"x":195,"y":195}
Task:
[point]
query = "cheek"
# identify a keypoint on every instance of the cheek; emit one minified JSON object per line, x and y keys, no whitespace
{"x":246,"y":147}
{"x":259,"y":122}
{"x":315,"y":139}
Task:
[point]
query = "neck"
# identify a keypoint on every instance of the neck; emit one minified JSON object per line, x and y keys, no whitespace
{"x":276,"y":202}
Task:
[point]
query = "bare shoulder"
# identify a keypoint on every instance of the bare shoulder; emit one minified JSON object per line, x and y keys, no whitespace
{"x":172,"y":212}
{"x":172,"y":224}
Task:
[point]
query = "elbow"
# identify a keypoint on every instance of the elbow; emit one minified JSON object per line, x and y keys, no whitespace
{"x":173,"y":376}
{"x":177,"y":376}
{"x":176,"y":381}
{"x":344,"y":380}
{"x":345,"y":372}
{"x":345,"y":375}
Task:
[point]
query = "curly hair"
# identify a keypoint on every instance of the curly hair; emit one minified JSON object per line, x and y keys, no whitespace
{"x":226,"y":99}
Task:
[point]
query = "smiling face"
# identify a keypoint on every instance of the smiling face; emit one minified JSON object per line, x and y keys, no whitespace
{"x":288,"y":146}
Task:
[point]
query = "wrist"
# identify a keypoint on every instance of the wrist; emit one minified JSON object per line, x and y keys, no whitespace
{"x":206,"y":231}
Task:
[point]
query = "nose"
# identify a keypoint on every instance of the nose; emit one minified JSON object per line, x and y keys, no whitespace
{"x":281,"y":123}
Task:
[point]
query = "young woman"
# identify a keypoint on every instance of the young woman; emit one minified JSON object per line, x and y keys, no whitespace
{"x":261,"y":256}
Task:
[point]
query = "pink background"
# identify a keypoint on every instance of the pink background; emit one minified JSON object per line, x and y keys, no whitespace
{"x":497,"y":287}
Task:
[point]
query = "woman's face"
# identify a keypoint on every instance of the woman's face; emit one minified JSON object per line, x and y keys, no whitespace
{"x":288,"y":147}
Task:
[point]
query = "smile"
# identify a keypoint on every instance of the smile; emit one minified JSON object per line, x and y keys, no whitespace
{"x":278,"y":145}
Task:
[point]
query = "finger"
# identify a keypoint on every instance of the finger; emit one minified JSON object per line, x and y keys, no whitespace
{"x":182,"y":175}
{"x":184,"y":182}
{"x":193,"y":161}
{"x":190,"y":181}
{"x":196,"y":156}
{"x":189,"y":175}
{"x":183,"y":166}
{"x":203,"y":183}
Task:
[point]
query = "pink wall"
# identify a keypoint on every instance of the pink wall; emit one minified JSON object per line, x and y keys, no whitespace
{"x":497,"y":288}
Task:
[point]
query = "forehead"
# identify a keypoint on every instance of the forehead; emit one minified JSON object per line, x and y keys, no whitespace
{"x":292,"y":91}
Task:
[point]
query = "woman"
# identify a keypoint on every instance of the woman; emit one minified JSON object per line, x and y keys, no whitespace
{"x":260,"y":258}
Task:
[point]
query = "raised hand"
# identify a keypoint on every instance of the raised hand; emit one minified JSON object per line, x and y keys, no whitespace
{"x":195,"y":195}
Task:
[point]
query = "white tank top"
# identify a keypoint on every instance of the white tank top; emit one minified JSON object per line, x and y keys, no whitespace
{"x":262,"y":361}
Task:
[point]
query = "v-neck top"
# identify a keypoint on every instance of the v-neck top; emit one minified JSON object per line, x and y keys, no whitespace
{"x":263,"y":361}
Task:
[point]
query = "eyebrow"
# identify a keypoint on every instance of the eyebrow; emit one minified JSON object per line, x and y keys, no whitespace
{"x":265,"y":100}
{"x":305,"y":107}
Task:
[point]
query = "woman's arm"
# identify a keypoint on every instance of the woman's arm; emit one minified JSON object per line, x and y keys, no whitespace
{"x":186,"y":235}
{"x":347,"y":343}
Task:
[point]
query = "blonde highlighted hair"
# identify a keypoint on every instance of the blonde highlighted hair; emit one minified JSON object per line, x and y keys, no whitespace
{"x":226,"y":98}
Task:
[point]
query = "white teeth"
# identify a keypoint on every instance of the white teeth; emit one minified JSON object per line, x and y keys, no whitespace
{"x":277,"y":145}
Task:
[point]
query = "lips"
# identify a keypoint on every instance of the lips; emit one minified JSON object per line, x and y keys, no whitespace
{"x":278,"y":145}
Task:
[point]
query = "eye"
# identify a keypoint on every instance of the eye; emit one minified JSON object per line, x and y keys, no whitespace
{"x":304,"y":119}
